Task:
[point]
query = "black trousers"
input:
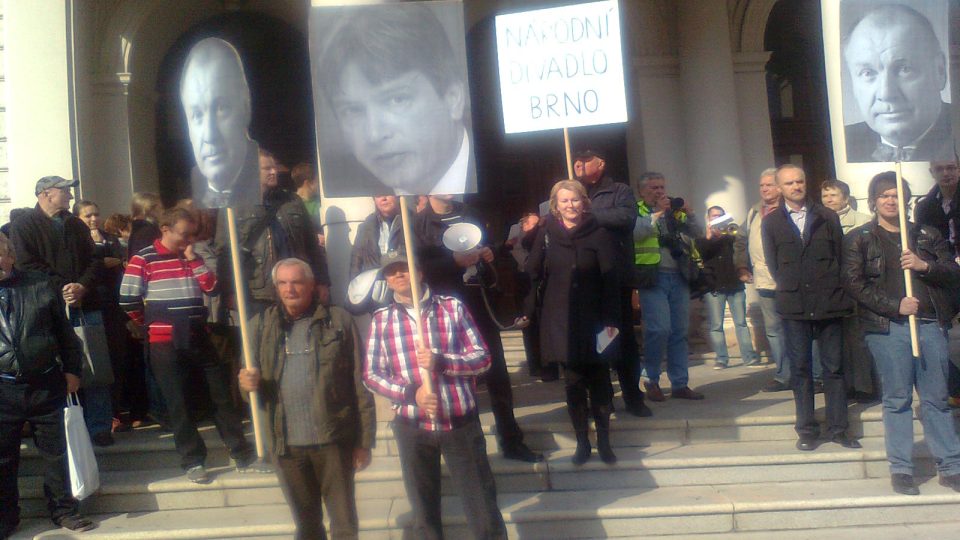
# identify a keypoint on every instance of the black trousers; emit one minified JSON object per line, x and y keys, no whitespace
{"x":309,"y":473}
{"x":531,"y":334}
{"x":465,"y":451}
{"x":41,"y":404}
{"x":173,"y":369}
{"x":497,"y":379}
{"x":591,"y":380}
{"x":799,"y":336}
{"x":629,"y":361}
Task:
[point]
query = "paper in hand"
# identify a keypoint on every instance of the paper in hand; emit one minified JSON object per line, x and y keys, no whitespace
{"x":604,"y":341}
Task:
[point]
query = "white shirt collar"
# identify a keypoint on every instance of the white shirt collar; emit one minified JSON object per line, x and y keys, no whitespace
{"x":454,"y":181}
{"x":915,"y":143}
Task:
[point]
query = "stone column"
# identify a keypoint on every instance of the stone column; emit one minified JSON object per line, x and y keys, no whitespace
{"x":756,"y":138}
{"x":709,"y":97}
{"x":655,"y":140}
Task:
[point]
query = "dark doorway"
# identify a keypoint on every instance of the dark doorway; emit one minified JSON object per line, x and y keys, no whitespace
{"x":277,"y":65}
{"x":797,"y":90}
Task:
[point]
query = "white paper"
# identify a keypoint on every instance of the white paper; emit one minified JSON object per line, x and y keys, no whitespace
{"x":603,"y":340}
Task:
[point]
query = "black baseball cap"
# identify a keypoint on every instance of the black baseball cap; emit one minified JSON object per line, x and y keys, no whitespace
{"x":48,"y":182}
{"x":587,"y":155}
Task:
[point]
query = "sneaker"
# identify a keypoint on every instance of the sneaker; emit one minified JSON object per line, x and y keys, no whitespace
{"x":198,"y":474}
{"x":654,"y":393}
{"x":253,"y":465}
{"x":775,"y":386}
{"x":755,"y":363}
{"x":903,"y":484}
{"x":719,"y":366}
{"x":76,"y":523}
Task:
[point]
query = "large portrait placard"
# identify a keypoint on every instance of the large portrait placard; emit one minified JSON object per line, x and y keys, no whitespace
{"x":391,"y":99}
{"x":561,"y":67}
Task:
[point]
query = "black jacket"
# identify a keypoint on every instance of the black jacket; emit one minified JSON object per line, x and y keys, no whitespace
{"x":66,"y":258}
{"x":577,"y":273}
{"x":366,"y":250}
{"x":615,"y":209}
{"x":718,"y":264}
{"x":142,"y":234}
{"x":929,"y":212}
{"x":440,"y":272}
{"x":807,"y":271}
{"x":35,"y":335}
{"x":864,"y":269}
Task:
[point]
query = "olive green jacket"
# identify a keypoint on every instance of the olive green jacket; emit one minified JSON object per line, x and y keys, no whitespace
{"x":344,"y":409}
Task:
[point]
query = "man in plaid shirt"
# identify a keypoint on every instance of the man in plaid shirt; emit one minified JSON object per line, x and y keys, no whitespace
{"x":444,"y":421}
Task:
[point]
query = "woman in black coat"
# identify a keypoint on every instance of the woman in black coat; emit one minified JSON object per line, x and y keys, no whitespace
{"x":573,"y":268}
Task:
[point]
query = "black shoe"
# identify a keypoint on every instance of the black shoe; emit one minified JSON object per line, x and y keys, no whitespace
{"x":846,"y":442}
{"x":817,"y":387}
{"x":775,"y":386}
{"x":903,"y":484}
{"x":865,"y":398}
{"x":520,"y":452}
{"x":639,"y":409}
{"x":102,"y":439}
{"x":76,"y":523}
{"x":952,"y":481}
{"x":550,"y":373}
{"x":686,"y":393}
{"x":807,"y":444}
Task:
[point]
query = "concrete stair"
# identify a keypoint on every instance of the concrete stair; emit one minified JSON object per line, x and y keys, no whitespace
{"x":723,"y":466}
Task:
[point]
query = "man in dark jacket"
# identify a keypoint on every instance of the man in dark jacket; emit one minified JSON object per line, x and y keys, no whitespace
{"x":802,"y":242}
{"x":324,"y":420}
{"x":443,"y":271}
{"x":615,"y":209}
{"x":52,"y":241}
{"x":379,"y":233}
{"x":872,"y":261}
{"x":40,"y":362}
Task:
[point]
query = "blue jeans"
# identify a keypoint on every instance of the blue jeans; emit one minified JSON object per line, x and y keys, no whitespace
{"x":899,"y":373}
{"x":716,"y":305}
{"x":773,"y":327}
{"x":97,"y":409}
{"x":666,"y":320}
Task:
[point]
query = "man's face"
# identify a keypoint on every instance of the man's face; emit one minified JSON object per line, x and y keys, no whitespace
{"x":578,"y":169}
{"x":90,"y":216}
{"x":593,"y":170}
{"x":218,"y":113}
{"x":294,"y":288}
{"x":793,"y":185}
{"x":897,"y":78}
{"x":887,"y":204}
{"x":386,"y":205}
{"x":59,"y":197}
{"x":769,"y":190}
{"x":180,"y":236}
{"x":833,"y":199}
{"x":713,"y":214}
{"x":944,"y":172}
{"x":654,"y":190}
{"x":401,"y":130}
{"x":398,"y":278}
{"x":268,"y":172}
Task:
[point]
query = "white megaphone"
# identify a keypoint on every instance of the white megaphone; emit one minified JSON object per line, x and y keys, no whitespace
{"x":367,"y":290}
{"x":462,"y":238}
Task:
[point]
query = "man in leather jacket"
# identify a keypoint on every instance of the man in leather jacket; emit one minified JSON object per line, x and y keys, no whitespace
{"x":872,"y":261}
{"x":34,"y":332}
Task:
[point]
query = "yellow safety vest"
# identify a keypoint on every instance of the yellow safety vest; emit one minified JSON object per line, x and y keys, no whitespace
{"x":647,"y":251}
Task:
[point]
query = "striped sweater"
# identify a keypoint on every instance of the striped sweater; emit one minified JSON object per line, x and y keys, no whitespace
{"x":171,"y":286}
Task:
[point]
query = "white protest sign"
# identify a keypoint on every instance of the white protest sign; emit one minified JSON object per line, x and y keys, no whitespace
{"x":561,"y":67}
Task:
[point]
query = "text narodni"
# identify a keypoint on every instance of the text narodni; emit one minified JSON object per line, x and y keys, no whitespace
{"x":569,"y":65}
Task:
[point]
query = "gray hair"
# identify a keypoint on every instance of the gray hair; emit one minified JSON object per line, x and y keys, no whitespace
{"x":292,"y":261}
{"x":6,"y":246}
{"x":769,"y":171}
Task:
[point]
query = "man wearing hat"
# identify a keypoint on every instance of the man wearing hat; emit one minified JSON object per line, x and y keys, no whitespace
{"x":441,"y":420}
{"x":52,"y":241}
{"x":615,"y":208}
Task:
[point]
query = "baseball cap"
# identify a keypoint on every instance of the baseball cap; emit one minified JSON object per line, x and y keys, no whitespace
{"x":392,"y":257}
{"x":587,"y":155}
{"x":48,"y":182}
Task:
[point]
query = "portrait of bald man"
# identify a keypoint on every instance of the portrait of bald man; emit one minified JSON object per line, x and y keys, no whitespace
{"x":390,"y":88}
{"x":896,"y":70}
{"x":216,"y":105}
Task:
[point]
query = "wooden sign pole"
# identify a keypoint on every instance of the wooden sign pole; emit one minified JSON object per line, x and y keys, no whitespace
{"x":425,"y":375}
{"x":566,"y":146}
{"x":907,"y":274}
{"x":245,"y":332}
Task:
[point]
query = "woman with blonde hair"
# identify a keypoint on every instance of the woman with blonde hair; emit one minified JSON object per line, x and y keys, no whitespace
{"x":573,"y":268}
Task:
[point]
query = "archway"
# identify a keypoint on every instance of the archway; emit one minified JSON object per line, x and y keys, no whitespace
{"x":277,"y":65}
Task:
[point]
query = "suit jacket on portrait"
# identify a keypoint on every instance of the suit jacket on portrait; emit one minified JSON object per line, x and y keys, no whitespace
{"x":245,"y":190}
{"x":863,"y":144}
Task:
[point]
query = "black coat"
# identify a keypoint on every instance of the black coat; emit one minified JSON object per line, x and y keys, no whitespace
{"x":807,"y":271}
{"x":717,"y":253}
{"x":864,"y":269}
{"x":580,"y":289}
{"x":615,"y":209}
{"x":142,"y":234}
{"x":929,"y":212}
{"x":366,"y":249}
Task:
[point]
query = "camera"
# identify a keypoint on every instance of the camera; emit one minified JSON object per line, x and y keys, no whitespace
{"x":676,"y":203}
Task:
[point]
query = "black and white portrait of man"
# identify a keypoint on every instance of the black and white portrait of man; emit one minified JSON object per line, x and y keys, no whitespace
{"x":216,"y":104}
{"x":895,"y":78}
{"x":392,"y":99}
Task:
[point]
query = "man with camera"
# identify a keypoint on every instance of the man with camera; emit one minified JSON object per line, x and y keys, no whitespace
{"x":663,"y":245}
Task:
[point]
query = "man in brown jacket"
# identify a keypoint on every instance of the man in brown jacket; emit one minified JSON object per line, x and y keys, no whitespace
{"x":323,"y":419}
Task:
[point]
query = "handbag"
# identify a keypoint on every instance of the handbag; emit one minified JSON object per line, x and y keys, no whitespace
{"x":84,"y":473}
{"x":88,"y":326}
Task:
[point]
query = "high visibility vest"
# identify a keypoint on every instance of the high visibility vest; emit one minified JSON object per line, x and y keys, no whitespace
{"x":647,"y":251}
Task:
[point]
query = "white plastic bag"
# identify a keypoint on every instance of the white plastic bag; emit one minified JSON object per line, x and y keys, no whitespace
{"x":84,"y":473}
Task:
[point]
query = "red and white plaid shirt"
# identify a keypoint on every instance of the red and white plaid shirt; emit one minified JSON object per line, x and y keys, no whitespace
{"x":390,"y":367}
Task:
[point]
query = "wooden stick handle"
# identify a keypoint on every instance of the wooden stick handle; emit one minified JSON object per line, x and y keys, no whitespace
{"x":566,"y":146}
{"x":425,"y":375}
{"x":245,"y":331}
{"x":907,"y":274}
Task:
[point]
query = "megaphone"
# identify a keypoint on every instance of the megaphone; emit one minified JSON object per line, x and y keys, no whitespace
{"x":462,"y":237}
{"x":367,"y":291}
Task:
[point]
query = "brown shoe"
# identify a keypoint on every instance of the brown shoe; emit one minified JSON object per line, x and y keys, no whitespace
{"x":686,"y":393}
{"x":654,"y":393}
